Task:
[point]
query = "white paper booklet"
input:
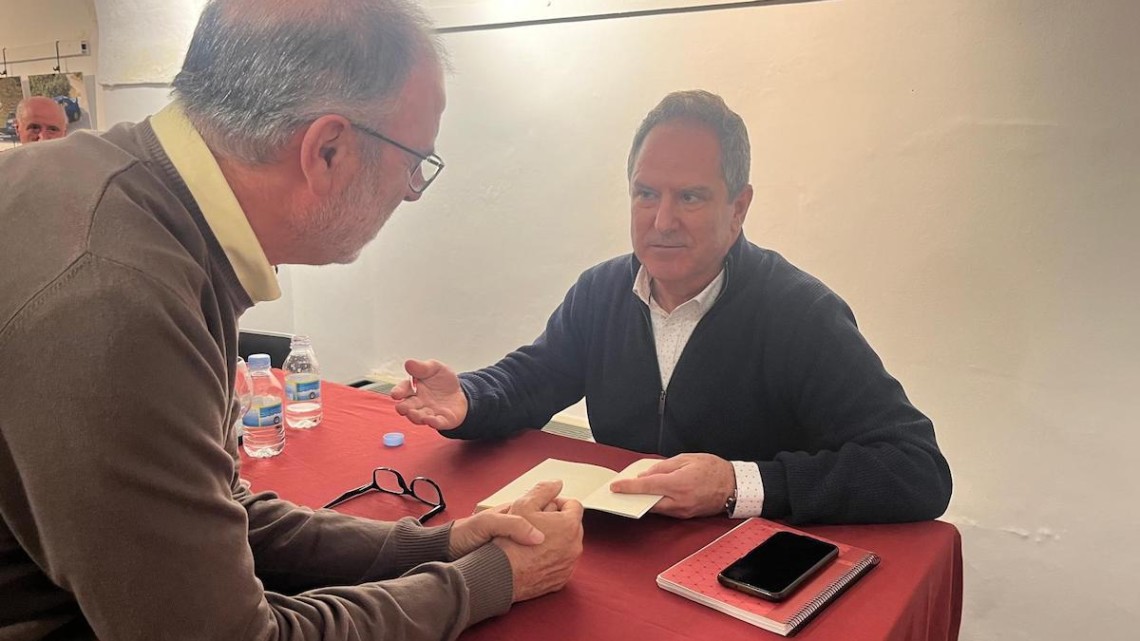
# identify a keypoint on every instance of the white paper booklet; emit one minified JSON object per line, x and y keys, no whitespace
{"x":590,"y":484}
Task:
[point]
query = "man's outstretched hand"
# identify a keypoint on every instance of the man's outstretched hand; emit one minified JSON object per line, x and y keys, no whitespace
{"x":435,"y":399}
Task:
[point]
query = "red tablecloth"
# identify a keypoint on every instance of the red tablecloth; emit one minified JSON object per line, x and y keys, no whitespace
{"x":915,"y":593}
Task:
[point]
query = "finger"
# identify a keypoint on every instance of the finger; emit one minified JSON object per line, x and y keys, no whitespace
{"x":402,"y":390}
{"x":664,"y":467}
{"x":403,"y":408}
{"x":666,"y":506}
{"x":682,"y":509}
{"x":438,"y":422}
{"x":433,"y":421}
{"x":537,"y":497}
{"x":559,"y":503}
{"x":421,"y":369}
{"x":573,"y":508}
{"x":655,"y":484}
{"x":413,"y":414}
{"x":422,"y":415}
{"x":515,"y":528}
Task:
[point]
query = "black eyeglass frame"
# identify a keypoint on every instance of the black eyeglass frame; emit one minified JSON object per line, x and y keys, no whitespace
{"x":407,"y":489}
{"x":431,"y":159}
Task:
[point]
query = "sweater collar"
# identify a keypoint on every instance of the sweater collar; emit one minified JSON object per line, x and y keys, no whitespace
{"x":196,"y":165}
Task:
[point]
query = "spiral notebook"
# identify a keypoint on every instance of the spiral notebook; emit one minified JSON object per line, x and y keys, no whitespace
{"x":695,"y":578}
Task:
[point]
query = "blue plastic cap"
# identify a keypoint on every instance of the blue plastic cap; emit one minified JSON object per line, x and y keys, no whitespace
{"x":259,"y":361}
{"x":393,"y":439}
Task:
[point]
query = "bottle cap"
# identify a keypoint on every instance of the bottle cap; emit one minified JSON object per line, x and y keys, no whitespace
{"x":259,"y":361}
{"x":299,"y":340}
{"x":393,"y":439}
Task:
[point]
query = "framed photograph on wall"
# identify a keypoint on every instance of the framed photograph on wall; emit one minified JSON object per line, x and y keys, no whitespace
{"x":70,"y":91}
{"x":11,"y":93}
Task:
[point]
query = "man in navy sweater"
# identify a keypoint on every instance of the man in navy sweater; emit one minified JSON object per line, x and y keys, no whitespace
{"x":749,"y":373}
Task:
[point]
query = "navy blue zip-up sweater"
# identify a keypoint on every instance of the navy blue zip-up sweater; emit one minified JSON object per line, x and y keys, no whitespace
{"x":776,"y":372}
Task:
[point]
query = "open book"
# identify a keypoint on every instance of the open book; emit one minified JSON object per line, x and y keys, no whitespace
{"x":695,"y":578}
{"x":590,"y":484}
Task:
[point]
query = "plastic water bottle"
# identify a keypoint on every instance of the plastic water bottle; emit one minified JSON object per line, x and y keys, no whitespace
{"x":263,"y":424}
{"x":243,"y":391}
{"x":302,"y":385}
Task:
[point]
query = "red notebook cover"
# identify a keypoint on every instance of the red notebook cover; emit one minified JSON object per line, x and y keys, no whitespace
{"x":695,"y":578}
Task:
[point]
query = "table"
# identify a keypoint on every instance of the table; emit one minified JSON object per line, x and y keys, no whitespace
{"x":915,"y":593}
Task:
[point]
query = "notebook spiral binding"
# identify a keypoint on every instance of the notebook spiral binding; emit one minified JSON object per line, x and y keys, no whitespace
{"x":837,"y":586}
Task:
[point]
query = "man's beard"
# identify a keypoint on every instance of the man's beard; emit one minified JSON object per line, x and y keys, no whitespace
{"x":341,"y":227}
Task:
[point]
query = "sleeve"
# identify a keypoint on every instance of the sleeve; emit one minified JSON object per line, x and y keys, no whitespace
{"x":338,"y":549}
{"x":529,"y":385}
{"x":125,"y":496}
{"x":749,"y":490}
{"x":868,"y":456}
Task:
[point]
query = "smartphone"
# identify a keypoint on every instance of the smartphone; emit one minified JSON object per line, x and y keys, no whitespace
{"x":775,"y":568}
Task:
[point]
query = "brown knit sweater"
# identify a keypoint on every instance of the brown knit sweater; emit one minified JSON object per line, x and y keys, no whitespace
{"x":122,"y":512}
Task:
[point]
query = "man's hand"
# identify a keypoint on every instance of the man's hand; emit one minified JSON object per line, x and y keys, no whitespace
{"x":473,"y":532}
{"x":691,"y":484}
{"x":546,"y":567}
{"x":438,"y":400}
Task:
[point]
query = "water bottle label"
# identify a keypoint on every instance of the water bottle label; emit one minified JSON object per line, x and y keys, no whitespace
{"x":303,"y":390}
{"x":263,"y":416}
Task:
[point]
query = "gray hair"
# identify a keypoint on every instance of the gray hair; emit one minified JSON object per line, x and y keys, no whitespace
{"x":708,"y":109}
{"x":258,"y":70}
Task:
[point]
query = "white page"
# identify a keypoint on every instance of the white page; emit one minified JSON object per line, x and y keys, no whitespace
{"x":635,"y":505}
{"x":582,"y":481}
{"x":579,"y":480}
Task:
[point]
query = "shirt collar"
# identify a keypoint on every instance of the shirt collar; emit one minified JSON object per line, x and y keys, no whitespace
{"x":642,"y":288}
{"x":199,"y":170}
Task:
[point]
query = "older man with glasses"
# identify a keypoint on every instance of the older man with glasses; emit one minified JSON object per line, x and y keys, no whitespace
{"x":125,"y":262}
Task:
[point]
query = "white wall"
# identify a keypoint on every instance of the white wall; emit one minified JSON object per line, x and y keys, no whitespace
{"x":35,"y":25}
{"x":30,"y":29}
{"x":963,"y":173}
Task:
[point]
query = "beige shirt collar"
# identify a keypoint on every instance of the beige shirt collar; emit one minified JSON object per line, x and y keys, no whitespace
{"x":199,"y":170}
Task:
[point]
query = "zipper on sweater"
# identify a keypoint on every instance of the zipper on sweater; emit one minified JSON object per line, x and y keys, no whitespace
{"x":697,"y":332}
{"x":661,"y":397}
{"x":728,"y":269}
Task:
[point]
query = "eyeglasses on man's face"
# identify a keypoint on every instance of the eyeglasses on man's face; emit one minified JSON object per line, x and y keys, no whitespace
{"x":389,"y":481}
{"x":425,"y":171}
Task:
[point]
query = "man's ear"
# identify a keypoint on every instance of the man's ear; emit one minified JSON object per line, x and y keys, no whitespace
{"x":328,"y":154}
{"x":740,"y":206}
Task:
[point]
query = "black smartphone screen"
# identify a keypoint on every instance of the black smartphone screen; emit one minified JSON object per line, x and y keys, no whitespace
{"x":779,"y":564}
